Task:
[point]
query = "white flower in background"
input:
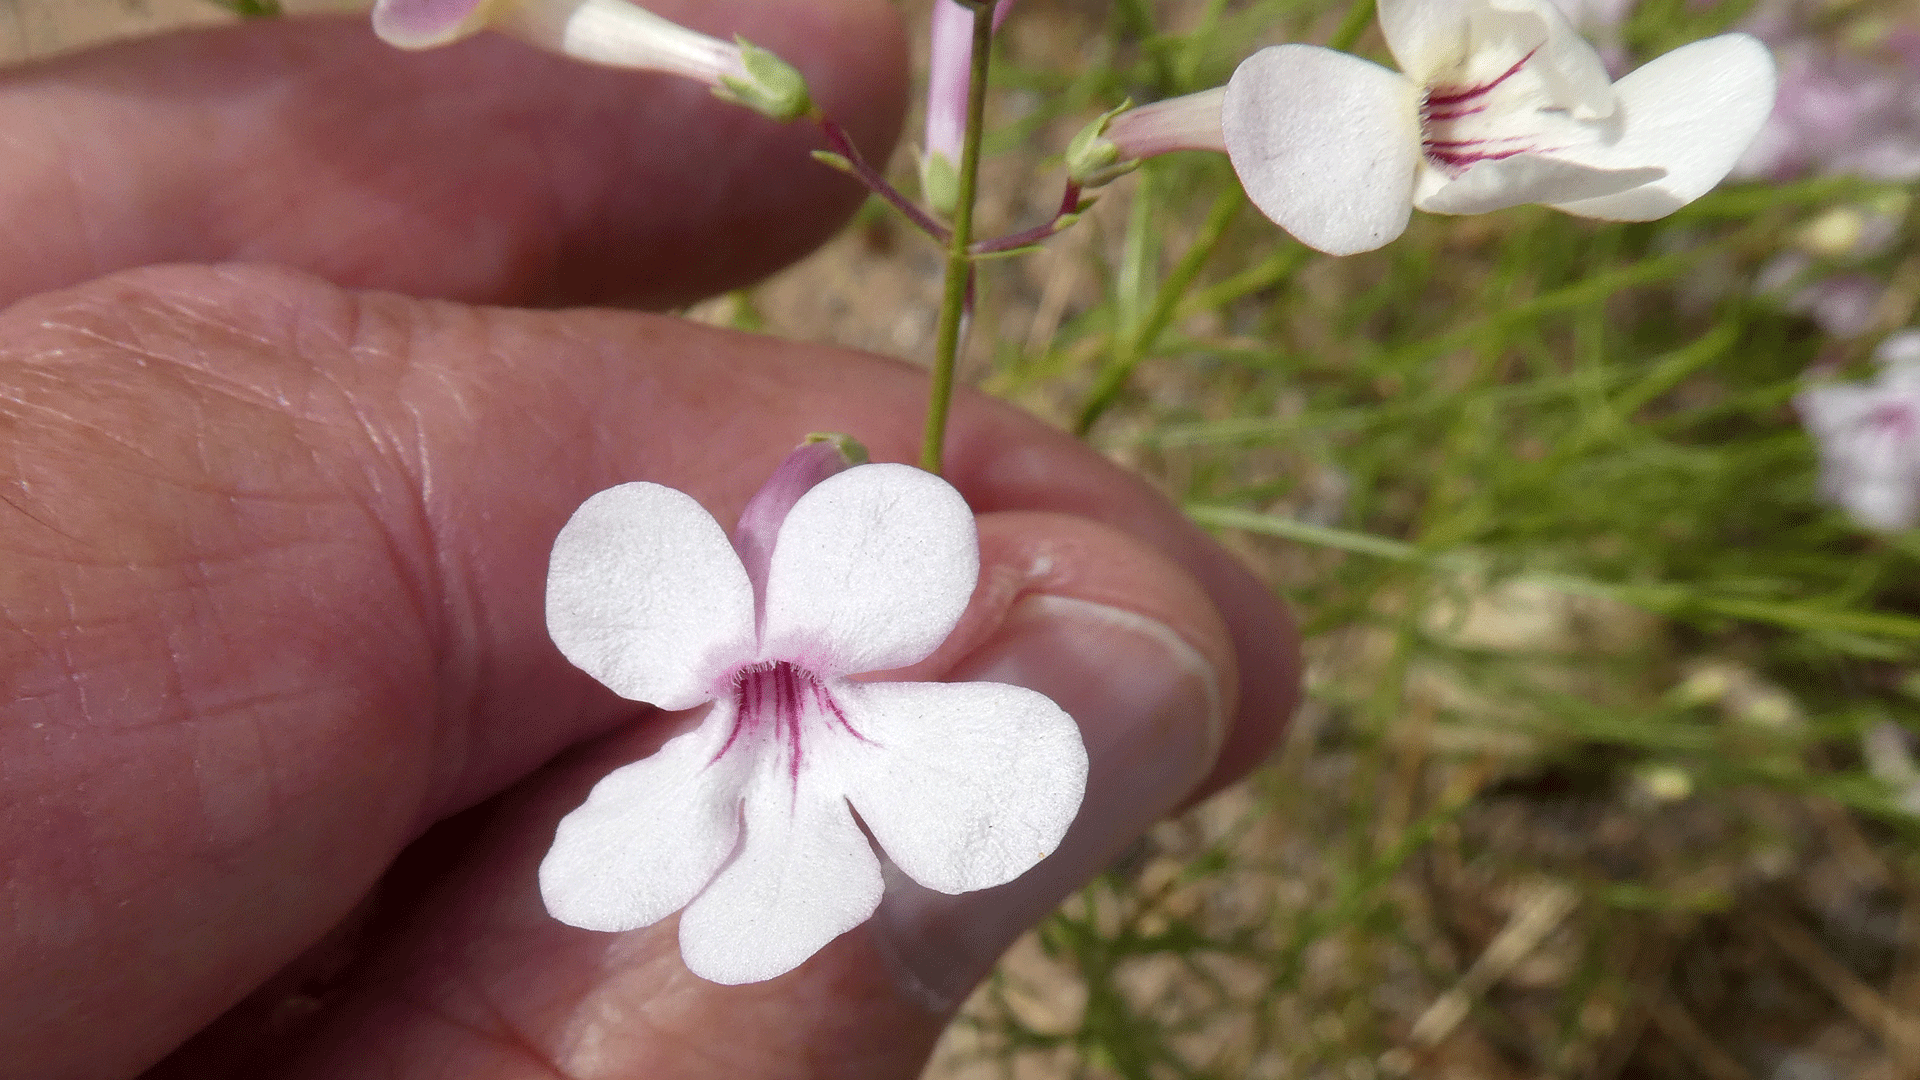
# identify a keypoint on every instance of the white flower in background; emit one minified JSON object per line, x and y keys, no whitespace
{"x":747,"y":820}
{"x":1501,"y":104}
{"x":1869,"y":437}
{"x":1846,"y":107}
{"x":613,"y":33}
{"x":1888,"y":750}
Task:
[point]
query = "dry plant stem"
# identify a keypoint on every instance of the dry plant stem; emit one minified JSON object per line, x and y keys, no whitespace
{"x":959,"y":284}
{"x":1691,"y":1039}
{"x":1537,"y":915}
{"x":1900,"y":1032}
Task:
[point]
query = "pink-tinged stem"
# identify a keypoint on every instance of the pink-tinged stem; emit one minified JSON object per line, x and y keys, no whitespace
{"x":760,"y":522}
{"x":840,"y":143}
{"x":1069,"y":209}
{"x":1183,"y":123}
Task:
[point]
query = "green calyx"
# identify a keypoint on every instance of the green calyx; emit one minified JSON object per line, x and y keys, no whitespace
{"x":772,"y":88}
{"x":940,"y":183}
{"x":850,"y":448}
{"x":1092,"y":158}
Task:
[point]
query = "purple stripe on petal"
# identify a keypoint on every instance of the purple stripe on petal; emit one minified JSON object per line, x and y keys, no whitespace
{"x":1455,"y":95}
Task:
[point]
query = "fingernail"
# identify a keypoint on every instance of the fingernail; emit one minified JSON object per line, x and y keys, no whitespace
{"x":1148,"y":705}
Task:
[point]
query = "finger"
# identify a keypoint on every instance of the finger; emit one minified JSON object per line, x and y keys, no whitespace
{"x":483,"y":983}
{"x":276,"y":557}
{"x":484,"y":171}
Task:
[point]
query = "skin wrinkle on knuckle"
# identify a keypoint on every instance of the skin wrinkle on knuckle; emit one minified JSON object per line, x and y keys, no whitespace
{"x":208,"y":519}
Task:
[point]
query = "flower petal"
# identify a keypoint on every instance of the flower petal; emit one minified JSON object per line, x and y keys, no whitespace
{"x":645,"y":594}
{"x":619,"y":34}
{"x":804,"y":875}
{"x":1691,"y":112}
{"x":871,"y":571}
{"x":1569,"y":68}
{"x":650,"y":835}
{"x":1833,"y":409}
{"x":964,"y":785}
{"x":759,"y":525}
{"x":1426,"y":37}
{"x":1326,"y":145}
{"x":423,"y":24}
{"x":1524,"y":178}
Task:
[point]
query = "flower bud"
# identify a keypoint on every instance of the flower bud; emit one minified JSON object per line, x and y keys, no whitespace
{"x":1092,"y":158}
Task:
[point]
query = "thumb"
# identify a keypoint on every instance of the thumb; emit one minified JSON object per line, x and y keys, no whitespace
{"x":483,"y":982}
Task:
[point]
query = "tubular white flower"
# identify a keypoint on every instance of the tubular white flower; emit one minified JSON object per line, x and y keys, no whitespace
{"x":612,"y":33}
{"x":1500,"y":104}
{"x":747,"y":820}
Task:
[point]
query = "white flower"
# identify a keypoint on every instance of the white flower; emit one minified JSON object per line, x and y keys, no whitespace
{"x":1501,"y":103}
{"x":613,"y":33}
{"x":1869,"y":438}
{"x":747,"y":820}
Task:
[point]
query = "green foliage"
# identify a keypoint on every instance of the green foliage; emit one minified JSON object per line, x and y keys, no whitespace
{"x":1536,"y":490}
{"x":251,"y":9}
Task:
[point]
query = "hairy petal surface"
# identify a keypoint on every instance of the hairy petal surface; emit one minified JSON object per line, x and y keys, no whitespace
{"x":1426,"y":37}
{"x":645,"y":593}
{"x":1692,"y":112}
{"x":803,"y":875}
{"x":871,"y":571}
{"x":651,"y":834}
{"x":964,"y":785}
{"x":1325,"y":144}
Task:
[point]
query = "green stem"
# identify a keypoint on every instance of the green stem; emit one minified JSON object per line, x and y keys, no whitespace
{"x":1131,"y":345}
{"x":953,"y":302}
{"x":1359,"y":16}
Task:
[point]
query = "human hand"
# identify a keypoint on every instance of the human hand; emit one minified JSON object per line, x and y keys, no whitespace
{"x":279,"y":695}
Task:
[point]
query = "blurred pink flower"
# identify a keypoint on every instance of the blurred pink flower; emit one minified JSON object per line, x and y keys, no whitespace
{"x":1868,"y":436}
{"x":1840,"y":109}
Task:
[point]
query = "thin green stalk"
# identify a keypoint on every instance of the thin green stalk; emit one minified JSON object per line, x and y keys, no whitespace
{"x":1359,"y":17}
{"x":1133,"y":344}
{"x":953,"y":302}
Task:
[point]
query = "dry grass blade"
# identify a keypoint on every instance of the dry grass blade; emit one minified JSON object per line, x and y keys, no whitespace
{"x":1533,"y":919}
{"x":1679,"y":1026}
{"x":1898,"y":1030}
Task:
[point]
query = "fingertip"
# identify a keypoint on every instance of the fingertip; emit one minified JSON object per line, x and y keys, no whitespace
{"x":485,"y":171}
